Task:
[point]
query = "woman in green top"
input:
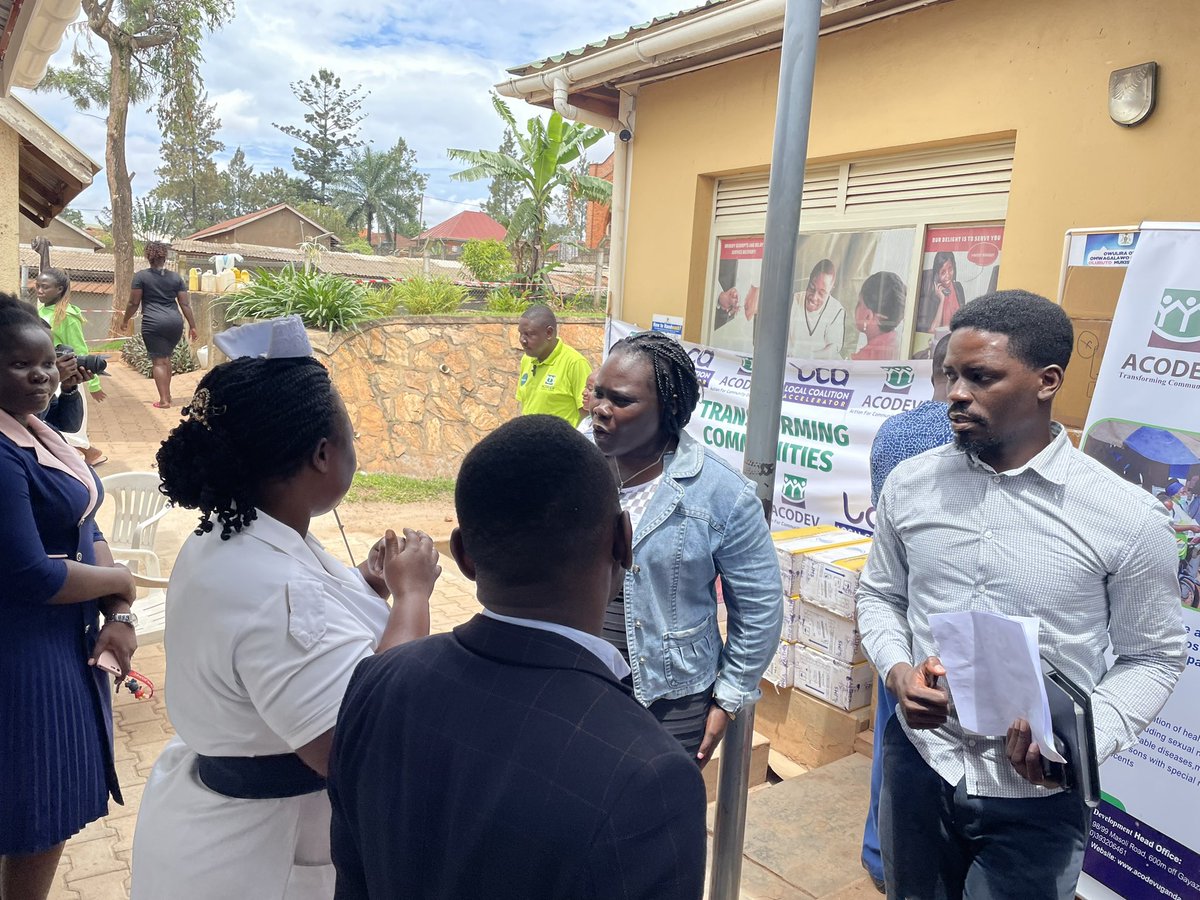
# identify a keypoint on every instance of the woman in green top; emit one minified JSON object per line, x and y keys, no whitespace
{"x":66,"y":325}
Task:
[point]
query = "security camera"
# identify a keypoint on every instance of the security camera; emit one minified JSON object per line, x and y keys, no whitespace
{"x":625,"y":135}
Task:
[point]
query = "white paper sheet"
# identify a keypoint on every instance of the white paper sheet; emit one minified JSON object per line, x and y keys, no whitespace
{"x":994,"y":673}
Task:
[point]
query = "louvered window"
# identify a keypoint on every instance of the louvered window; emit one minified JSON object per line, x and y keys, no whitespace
{"x":964,"y":183}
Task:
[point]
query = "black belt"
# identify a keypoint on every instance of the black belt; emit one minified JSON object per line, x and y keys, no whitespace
{"x":259,"y":777}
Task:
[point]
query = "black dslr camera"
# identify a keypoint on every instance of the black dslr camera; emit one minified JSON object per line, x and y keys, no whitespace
{"x":93,"y":362}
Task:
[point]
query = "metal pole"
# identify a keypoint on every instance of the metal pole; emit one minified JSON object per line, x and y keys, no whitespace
{"x":797,"y":65}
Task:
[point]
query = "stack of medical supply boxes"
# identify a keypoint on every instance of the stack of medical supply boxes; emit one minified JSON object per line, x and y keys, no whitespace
{"x":820,"y":652}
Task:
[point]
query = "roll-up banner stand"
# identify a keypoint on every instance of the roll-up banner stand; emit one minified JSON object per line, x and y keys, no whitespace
{"x":1144,"y":425}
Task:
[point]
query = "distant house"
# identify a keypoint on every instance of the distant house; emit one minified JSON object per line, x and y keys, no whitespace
{"x":449,"y":236}
{"x":276,"y":226}
{"x":60,"y":233}
{"x":598,"y":214}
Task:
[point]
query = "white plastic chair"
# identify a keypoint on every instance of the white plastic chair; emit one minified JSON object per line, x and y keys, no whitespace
{"x":138,"y":506}
{"x":151,"y":605}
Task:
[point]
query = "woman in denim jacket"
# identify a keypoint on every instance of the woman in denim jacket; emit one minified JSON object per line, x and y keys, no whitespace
{"x":694,"y":517}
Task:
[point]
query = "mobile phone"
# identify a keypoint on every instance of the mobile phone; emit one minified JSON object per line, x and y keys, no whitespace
{"x":108,"y":662}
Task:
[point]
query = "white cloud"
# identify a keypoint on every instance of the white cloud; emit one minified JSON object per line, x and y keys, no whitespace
{"x":428,"y":64}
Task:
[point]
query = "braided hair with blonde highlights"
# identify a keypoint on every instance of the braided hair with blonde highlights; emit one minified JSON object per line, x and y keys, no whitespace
{"x":251,"y":421}
{"x":675,"y":377}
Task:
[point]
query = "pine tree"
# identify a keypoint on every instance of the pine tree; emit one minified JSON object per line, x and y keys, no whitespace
{"x":237,"y":182}
{"x":276,"y":186}
{"x":189,"y":183}
{"x":331,"y":133}
{"x":505,"y":191}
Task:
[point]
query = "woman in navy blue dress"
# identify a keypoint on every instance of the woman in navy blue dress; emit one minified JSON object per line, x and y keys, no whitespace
{"x":56,"y":754}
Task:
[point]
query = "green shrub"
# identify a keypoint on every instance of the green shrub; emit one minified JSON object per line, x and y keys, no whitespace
{"x":358,"y":245}
{"x":329,"y":302}
{"x":580,"y":301}
{"x":508,"y":299}
{"x":135,"y":355}
{"x":425,"y":296}
{"x":488,"y":260}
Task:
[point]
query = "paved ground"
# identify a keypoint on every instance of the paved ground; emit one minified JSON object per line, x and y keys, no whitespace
{"x":95,"y":865}
{"x":782,"y":860}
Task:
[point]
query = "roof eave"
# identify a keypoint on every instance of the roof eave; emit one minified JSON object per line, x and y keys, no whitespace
{"x":34,"y":37}
{"x":701,"y":37}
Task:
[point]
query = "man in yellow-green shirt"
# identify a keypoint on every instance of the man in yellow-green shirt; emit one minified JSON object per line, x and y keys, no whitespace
{"x":553,"y":373}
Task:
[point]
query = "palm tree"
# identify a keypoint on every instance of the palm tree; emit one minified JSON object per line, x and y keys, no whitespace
{"x":373,"y":189}
{"x":542,"y":165}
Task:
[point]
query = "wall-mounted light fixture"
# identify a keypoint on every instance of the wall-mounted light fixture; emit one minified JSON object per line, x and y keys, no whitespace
{"x":1132,"y":93}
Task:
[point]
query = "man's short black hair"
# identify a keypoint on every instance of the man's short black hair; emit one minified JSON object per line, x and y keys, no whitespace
{"x":1039,"y":332}
{"x":532,"y":498}
{"x":540,"y":315}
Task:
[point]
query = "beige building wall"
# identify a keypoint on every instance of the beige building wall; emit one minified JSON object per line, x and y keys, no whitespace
{"x":281,"y":229}
{"x":10,"y":213}
{"x":952,"y":73}
{"x":57,"y":232}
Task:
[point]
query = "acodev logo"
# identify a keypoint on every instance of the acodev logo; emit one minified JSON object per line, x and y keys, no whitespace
{"x":794,"y":488}
{"x":746,"y":366}
{"x":1177,"y":321}
{"x":898,"y":379}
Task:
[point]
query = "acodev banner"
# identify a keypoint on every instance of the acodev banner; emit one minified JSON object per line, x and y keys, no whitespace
{"x":831,"y":412}
{"x":1144,"y":424}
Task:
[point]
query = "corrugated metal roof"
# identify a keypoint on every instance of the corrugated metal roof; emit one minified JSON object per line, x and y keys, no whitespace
{"x":353,"y":265}
{"x":613,"y":39}
{"x":75,"y":259}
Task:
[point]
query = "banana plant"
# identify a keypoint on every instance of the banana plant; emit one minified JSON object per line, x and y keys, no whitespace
{"x":542,"y":165}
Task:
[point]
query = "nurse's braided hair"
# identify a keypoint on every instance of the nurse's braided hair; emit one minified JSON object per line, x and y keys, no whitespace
{"x":674,"y":376}
{"x":250,"y":421}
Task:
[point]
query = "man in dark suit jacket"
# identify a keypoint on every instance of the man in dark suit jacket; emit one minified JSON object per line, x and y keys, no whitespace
{"x":507,"y":759}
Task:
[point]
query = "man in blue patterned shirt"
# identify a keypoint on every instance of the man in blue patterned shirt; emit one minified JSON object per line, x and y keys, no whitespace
{"x":899,"y":438}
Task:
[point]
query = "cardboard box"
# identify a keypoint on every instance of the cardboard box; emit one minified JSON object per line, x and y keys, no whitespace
{"x":835,"y":636}
{"x":1075,"y":396}
{"x":840,"y":684}
{"x":1091,"y":292}
{"x":791,"y":547}
{"x":829,"y":578}
{"x":806,"y":730}
{"x":779,"y":672}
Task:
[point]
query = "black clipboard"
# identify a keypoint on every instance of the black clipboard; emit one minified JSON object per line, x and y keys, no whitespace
{"x":1071,"y":720}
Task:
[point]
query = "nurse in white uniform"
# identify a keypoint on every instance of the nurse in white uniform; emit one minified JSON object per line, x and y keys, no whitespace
{"x":264,"y":629}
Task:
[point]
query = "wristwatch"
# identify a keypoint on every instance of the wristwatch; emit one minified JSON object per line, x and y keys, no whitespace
{"x":128,"y":618}
{"x":732,"y":713}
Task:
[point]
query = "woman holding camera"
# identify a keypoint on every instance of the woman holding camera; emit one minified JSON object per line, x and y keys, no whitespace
{"x":162,"y":295}
{"x":66,"y":321}
{"x":56,"y":751}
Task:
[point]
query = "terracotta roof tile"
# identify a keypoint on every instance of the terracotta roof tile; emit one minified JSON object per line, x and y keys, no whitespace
{"x":466,"y":226}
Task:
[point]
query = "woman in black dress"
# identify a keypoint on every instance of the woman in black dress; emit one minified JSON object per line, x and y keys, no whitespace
{"x":161,"y":294}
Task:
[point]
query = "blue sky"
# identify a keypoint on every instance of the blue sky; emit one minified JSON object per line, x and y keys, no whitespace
{"x":428,"y":64}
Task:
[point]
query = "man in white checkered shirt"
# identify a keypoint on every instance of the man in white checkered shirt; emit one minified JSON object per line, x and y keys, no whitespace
{"x":1012,"y":519}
